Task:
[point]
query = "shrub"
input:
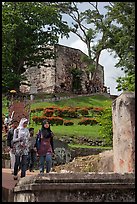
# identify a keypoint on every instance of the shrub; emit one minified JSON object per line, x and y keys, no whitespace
{"x":66,"y":112}
{"x":97,"y":109}
{"x":77,"y":108}
{"x":68,"y":123}
{"x":39,"y":109}
{"x":90,"y":108}
{"x":59,"y":112}
{"x":106,"y":126}
{"x":48,"y":113}
{"x":52,"y":120}
{"x":83,"y":111}
{"x":51,"y":108}
{"x":38,"y":120}
{"x":88,"y":121}
{"x":72,"y":113}
{"x":56,"y":120}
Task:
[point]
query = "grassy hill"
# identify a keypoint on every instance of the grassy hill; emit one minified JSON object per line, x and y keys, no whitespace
{"x":82,"y":101}
{"x":76,"y":131}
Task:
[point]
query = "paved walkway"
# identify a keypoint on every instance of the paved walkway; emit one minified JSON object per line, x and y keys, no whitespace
{"x":7,"y":178}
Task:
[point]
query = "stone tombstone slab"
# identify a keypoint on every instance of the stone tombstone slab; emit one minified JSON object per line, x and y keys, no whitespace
{"x":124,"y":133}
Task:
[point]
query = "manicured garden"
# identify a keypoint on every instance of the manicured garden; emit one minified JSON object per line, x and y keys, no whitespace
{"x":71,"y":119}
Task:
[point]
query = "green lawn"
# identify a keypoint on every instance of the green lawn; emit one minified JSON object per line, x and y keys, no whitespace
{"x":77,"y":130}
{"x":88,"y":101}
{"x":74,"y":131}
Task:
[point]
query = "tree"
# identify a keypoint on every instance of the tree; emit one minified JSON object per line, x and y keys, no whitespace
{"x":123,"y":41}
{"x":26,"y":28}
{"x":114,"y":31}
{"x":89,"y":26}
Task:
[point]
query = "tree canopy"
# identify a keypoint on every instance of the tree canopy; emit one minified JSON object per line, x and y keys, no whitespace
{"x":26,"y":28}
{"x":123,"y":41}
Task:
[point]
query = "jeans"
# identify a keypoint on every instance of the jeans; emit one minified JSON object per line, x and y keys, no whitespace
{"x":48,"y":159}
{"x":12,"y":160}
{"x":31,"y":160}
{"x":20,"y":161}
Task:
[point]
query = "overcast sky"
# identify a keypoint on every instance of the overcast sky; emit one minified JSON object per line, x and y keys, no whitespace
{"x":106,"y":60}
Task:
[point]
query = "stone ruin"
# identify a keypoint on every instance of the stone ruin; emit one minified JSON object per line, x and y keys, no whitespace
{"x":56,"y":75}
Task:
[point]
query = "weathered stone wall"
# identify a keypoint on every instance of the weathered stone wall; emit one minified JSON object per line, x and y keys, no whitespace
{"x":124,"y":132}
{"x":43,"y":78}
{"x":55,"y":75}
{"x":76,"y":187}
{"x":68,"y":58}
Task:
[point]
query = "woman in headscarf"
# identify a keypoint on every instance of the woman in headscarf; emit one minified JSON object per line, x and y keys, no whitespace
{"x":21,"y":143}
{"x":44,"y":145}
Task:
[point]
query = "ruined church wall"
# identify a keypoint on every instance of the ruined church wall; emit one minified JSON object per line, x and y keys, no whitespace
{"x":67,"y":59}
{"x":55,"y":74}
{"x":43,"y":78}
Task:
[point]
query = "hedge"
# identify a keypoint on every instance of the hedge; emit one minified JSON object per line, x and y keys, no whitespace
{"x":88,"y":121}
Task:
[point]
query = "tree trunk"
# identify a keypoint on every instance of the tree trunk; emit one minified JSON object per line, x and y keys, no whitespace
{"x":89,"y":54}
{"x":96,"y":64}
{"x":89,"y":49}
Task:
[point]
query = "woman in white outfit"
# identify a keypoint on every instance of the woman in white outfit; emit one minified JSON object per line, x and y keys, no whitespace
{"x":21,"y":147}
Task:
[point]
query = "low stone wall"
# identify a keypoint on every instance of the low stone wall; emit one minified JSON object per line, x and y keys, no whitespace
{"x":76,"y":187}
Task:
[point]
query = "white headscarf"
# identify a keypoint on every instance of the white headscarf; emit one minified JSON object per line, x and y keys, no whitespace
{"x":22,"y":133}
{"x":22,"y":121}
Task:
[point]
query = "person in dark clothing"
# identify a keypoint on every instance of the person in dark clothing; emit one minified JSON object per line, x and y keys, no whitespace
{"x":44,"y":145}
{"x":32,"y":150}
{"x":10,"y":133}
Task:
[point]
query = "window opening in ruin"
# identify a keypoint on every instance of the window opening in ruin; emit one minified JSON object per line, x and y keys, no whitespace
{"x":62,"y":85}
{"x":76,"y":80}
